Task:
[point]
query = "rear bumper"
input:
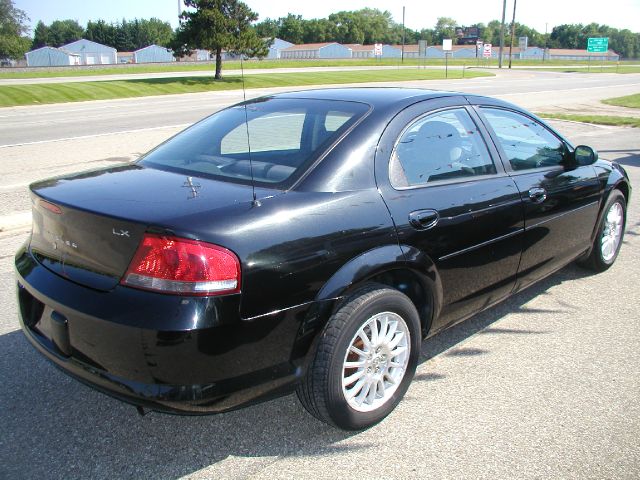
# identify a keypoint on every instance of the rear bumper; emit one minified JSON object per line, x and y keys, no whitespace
{"x":167,"y":353}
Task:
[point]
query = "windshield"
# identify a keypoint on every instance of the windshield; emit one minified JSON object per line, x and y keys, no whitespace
{"x":283,"y":137}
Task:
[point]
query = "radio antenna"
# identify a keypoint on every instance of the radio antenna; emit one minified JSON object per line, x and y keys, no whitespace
{"x":246,"y":123}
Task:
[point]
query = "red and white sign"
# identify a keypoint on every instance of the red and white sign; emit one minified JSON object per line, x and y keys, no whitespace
{"x":486,"y":52}
{"x":377,"y":49}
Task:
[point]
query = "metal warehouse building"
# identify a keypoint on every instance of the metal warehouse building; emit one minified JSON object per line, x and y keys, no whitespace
{"x":316,"y":50}
{"x":361,"y":51}
{"x":51,"y":57}
{"x":92,"y":53}
{"x":153,"y":54}
{"x":276,"y":47}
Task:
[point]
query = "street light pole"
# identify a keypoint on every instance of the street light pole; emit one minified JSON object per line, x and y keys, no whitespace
{"x":513,"y":30}
{"x":504,"y":11}
{"x":403,"y":34}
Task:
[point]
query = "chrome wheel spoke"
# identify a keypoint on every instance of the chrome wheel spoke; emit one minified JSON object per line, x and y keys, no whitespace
{"x":357,"y":351}
{"x":363,"y":393}
{"x":358,"y":364}
{"x":352,"y":392}
{"x":352,"y":378}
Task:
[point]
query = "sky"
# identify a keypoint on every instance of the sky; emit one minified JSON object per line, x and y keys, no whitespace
{"x":539,"y":14}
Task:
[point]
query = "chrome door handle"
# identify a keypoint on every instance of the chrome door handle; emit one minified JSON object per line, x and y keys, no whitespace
{"x":424,"y":219}
{"x":537,"y":194}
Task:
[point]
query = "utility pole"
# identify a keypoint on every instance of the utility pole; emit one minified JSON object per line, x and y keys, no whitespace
{"x":504,"y":11}
{"x":513,"y":30}
{"x":403,"y":34}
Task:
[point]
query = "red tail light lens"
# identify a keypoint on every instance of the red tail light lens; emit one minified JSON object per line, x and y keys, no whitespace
{"x":179,"y":265}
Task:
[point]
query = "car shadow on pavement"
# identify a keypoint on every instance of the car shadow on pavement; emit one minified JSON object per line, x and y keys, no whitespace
{"x":482,"y":323}
{"x":55,"y":427}
{"x":629,"y":157}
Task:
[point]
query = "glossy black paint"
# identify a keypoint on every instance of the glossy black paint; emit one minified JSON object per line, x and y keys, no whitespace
{"x":341,"y":224}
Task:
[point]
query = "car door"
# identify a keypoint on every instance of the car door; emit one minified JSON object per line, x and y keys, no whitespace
{"x":560,"y":200}
{"x":452,"y":202}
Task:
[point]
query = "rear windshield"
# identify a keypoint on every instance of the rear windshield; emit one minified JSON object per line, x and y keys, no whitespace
{"x":282,"y":136}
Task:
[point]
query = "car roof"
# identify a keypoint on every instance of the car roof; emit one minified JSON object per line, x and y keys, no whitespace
{"x":377,"y":97}
{"x":386,"y":99}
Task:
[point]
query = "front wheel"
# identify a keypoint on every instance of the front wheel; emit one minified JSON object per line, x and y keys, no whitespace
{"x":365,"y":359}
{"x":609,"y":234}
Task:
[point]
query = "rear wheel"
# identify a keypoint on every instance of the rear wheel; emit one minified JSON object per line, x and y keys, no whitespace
{"x":365,"y":359}
{"x":609,"y":235}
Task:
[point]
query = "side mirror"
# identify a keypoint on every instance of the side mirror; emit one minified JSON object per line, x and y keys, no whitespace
{"x":584,"y":155}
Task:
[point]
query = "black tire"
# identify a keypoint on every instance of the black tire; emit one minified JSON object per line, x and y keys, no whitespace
{"x":321,"y":391}
{"x":596,"y":260}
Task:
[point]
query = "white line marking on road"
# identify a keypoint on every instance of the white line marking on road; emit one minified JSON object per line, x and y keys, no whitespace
{"x":567,"y":90}
{"x":95,"y":135}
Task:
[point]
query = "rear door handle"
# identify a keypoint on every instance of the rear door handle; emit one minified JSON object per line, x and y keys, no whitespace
{"x":424,"y":219}
{"x":537,"y":194}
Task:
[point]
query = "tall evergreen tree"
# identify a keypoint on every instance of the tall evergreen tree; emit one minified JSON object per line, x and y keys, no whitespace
{"x":218,"y":25}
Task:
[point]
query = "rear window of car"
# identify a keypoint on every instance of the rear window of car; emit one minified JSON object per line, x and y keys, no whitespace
{"x":272,"y":140}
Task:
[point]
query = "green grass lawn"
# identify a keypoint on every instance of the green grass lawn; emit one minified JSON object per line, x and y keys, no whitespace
{"x":12,"y":95}
{"x":596,"y":119}
{"x":253,"y":64}
{"x":630,"y":101}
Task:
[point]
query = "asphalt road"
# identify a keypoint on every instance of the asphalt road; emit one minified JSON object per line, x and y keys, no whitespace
{"x":44,"y":123}
{"x":544,"y":385}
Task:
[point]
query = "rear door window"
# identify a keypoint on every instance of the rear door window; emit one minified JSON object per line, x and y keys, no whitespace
{"x":442,"y":146}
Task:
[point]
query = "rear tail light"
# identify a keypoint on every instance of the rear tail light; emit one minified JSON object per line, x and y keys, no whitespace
{"x":186,"y":267}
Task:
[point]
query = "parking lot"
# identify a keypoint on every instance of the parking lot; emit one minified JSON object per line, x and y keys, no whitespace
{"x":544,"y":385}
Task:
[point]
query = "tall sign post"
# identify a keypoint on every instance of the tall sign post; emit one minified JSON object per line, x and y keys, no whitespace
{"x":597,"y":45}
{"x":422,"y":52}
{"x":377,"y":50}
{"x":447,"y":46}
{"x":487,"y":51}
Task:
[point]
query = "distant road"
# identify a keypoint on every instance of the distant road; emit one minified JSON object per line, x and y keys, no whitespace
{"x":45,"y":123}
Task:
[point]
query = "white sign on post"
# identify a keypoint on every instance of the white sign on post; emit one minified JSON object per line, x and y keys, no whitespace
{"x":377,"y":49}
{"x":486,"y":52}
{"x":447,"y":44}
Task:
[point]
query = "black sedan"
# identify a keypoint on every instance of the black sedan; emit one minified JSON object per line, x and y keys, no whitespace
{"x":306,"y":241}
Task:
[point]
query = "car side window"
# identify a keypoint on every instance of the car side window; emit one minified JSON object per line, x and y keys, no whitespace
{"x":441,"y":146}
{"x":526,"y":143}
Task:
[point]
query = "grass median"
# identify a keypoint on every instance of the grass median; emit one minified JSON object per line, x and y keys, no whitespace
{"x":595,"y":119}
{"x":37,"y":94}
{"x":629,"y":101}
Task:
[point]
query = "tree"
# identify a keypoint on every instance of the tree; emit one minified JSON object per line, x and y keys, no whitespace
{"x":317,"y":31}
{"x":62,"y":32}
{"x":101,"y":32}
{"x":291,"y":28}
{"x":267,"y":28}
{"x":40,"y":36}
{"x":13,"y":29}
{"x":218,"y":25}
{"x":445,"y":28}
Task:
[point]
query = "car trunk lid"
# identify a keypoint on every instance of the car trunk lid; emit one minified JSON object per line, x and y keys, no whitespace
{"x":87,"y":227}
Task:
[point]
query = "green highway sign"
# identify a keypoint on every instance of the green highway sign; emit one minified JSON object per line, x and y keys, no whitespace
{"x":598,"y":44}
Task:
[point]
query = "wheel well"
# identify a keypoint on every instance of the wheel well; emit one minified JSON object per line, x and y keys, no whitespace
{"x":624,"y":188}
{"x":412,"y":286}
